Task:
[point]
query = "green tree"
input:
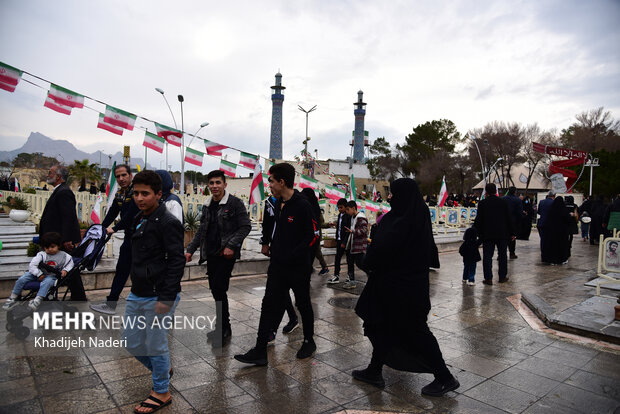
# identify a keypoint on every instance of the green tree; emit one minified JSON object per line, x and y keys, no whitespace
{"x":606,"y":178}
{"x":594,"y":130}
{"x":384,"y":163}
{"x":84,"y":171}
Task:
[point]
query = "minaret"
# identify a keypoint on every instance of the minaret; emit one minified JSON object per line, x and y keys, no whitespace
{"x":358,"y":139}
{"x":275,"y":144}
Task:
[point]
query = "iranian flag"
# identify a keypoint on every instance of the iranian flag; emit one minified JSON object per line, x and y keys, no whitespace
{"x":95,"y":216}
{"x":66,"y":97}
{"x":52,"y":104}
{"x":108,"y":127}
{"x":352,"y":189}
{"x":308,"y":182}
{"x":443,"y":193}
{"x":257,"y":189}
{"x":16,"y":189}
{"x":193,"y":157}
{"x":229,"y":168}
{"x":213,"y":148}
{"x":248,"y":160}
{"x":119,"y":117}
{"x":371,"y":206}
{"x":374,"y":193}
{"x":154,"y":142}
{"x":334,"y":193}
{"x":112,"y":187}
{"x":385,"y":207}
{"x":173,"y":136}
{"x":9,"y":77}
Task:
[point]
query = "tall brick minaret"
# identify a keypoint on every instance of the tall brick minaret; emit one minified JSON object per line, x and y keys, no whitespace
{"x":275,"y":144}
{"x":358,"y":138}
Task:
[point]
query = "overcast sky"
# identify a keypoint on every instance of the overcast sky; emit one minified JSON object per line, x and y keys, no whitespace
{"x":472,"y":62}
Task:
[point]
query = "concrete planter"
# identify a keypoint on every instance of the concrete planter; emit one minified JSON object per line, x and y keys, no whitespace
{"x":19,"y":216}
{"x":330,"y":243}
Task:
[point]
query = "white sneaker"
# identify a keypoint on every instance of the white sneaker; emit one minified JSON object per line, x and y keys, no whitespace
{"x":349,"y":284}
{"x":103,"y":308}
{"x":10,"y":302}
{"x":34,"y":303}
{"x":333,"y":280}
{"x":471,"y":283}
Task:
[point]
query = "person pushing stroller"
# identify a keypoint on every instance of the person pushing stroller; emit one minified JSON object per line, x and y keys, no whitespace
{"x":51,"y":256}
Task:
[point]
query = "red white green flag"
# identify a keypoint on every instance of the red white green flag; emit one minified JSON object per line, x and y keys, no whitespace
{"x":112,"y":187}
{"x":257,"y":189}
{"x":385,"y":207}
{"x":66,"y":97}
{"x":248,"y":160}
{"x":119,"y":117}
{"x":353,"y":195}
{"x":229,"y":168}
{"x":193,"y":157}
{"x":172,"y":135}
{"x":9,"y":77}
{"x":371,"y":206}
{"x":154,"y":142}
{"x":334,"y":193}
{"x":308,"y":182}
{"x":213,"y":148}
{"x":52,"y":104}
{"x":95,"y":214}
{"x":108,"y":127}
{"x":443,"y":192}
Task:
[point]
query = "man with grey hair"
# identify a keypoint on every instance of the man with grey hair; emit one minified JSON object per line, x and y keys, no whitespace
{"x":59,"y":215}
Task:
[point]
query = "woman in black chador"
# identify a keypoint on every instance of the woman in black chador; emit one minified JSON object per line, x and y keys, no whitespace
{"x":556,"y":251}
{"x":395,"y":301}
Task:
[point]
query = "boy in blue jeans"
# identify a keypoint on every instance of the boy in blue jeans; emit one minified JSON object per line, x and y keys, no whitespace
{"x":157,"y":263}
{"x":471,"y":255}
{"x":51,"y":256}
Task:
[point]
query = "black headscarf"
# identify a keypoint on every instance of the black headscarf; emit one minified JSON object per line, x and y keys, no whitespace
{"x":404,"y":238}
{"x":314,"y":203}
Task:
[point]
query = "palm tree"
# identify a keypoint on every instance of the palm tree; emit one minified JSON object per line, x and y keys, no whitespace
{"x":84,"y":171}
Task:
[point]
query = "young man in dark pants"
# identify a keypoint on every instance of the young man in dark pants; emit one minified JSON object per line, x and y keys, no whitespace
{"x":124,"y":204}
{"x":290,"y":265}
{"x":356,"y":243}
{"x":157,"y":264}
{"x":343,"y":221}
{"x":223,"y":226}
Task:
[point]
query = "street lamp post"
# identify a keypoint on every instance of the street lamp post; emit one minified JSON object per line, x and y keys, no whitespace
{"x":161,"y":91}
{"x":306,"y":139}
{"x":484,"y":177}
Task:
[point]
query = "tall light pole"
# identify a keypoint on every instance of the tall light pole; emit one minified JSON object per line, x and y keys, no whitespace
{"x":161,"y":91}
{"x":307,"y":138}
{"x":181,"y":99}
{"x":484,"y":177}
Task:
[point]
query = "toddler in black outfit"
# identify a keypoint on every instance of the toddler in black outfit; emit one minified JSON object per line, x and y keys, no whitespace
{"x":471,"y":255}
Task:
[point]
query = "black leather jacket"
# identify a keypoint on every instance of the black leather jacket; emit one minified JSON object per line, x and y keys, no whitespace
{"x":157,"y":259}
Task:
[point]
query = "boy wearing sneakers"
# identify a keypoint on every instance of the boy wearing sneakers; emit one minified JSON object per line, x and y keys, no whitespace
{"x":471,"y":255}
{"x":357,"y":243}
{"x":51,"y":256}
{"x":343,"y":221}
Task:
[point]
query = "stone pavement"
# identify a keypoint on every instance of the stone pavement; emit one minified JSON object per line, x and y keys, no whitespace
{"x":502,"y":363}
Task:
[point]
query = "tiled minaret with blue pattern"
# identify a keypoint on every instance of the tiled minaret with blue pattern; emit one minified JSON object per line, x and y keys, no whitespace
{"x":275,"y":144}
{"x":358,"y":139}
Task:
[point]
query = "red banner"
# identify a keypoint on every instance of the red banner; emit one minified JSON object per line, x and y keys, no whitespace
{"x":575,"y":157}
{"x":560,"y":152}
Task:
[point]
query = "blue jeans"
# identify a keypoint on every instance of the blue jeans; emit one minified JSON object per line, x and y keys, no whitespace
{"x":148,"y":343}
{"x":469,"y":271}
{"x":46,"y":283}
{"x":585,"y":230}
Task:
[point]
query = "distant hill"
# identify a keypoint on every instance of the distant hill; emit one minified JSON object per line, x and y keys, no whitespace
{"x":62,"y":150}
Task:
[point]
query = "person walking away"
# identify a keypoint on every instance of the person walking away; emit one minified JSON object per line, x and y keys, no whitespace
{"x":268,"y":226}
{"x":395,"y":302}
{"x":224,"y":225}
{"x":60,"y":216}
{"x":515,"y":207}
{"x":343,"y":221}
{"x":157,"y":264}
{"x":543,"y":211}
{"x":495,"y":228}
{"x":471,"y":255}
{"x":290,"y":265}
{"x":124,"y":205}
{"x":527,"y":218}
{"x":318,"y":218}
{"x":357,"y":242}
{"x":614,"y":207}
{"x":558,"y":223}
{"x":597,"y":213}
{"x":171,"y":201}
{"x":584,"y":218}
{"x":573,"y":227}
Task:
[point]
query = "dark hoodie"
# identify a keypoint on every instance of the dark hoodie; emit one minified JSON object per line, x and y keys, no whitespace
{"x":166,"y":187}
{"x":469,"y":248}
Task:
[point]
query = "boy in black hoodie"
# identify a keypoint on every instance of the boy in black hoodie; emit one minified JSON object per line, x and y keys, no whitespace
{"x":471,"y":255}
{"x":290,"y":266}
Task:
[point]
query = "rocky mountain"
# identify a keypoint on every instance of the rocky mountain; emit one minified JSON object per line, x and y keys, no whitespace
{"x":62,"y":150}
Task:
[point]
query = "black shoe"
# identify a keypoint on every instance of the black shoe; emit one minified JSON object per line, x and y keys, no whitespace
{"x":307,"y":349}
{"x":504,"y":280}
{"x":437,"y":389}
{"x":220,"y":340}
{"x":272,"y":338}
{"x":488,"y":282}
{"x":514,"y":256}
{"x":291,"y":326}
{"x":369,"y":377}
{"x":253,"y":356}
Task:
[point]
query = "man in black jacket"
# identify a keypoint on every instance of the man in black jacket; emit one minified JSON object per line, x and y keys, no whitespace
{"x":515,"y":207}
{"x":290,"y":265}
{"x":59,"y":215}
{"x":156,"y":270}
{"x":223,"y":226}
{"x":343,"y":222}
{"x":124,"y":205}
{"x":495,"y":228}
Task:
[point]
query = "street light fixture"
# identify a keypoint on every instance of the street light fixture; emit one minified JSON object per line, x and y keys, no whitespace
{"x":484,"y":177}
{"x":307,"y":138}
{"x":161,"y":91}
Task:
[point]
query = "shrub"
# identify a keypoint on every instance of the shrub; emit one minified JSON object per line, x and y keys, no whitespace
{"x":192,"y":221}
{"x":32,"y":249}
{"x":19,"y":203}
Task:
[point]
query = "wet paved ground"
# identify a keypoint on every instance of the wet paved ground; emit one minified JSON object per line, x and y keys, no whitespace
{"x":503,"y":364}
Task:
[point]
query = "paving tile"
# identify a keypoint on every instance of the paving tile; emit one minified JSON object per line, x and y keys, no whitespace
{"x":342,"y":358}
{"x":85,"y":400}
{"x":18,"y":390}
{"x":120,"y":369}
{"x":383,"y":401}
{"x":23,"y":407}
{"x":264,"y":381}
{"x":604,"y":364}
{"x":307,"y":370}
{"x":546,"y":368}
{"x":526,"y":381}
{"x":342,"y":388}
{"x":598,"y":384}
{"x":179,"y":405}
{"x":563,"y":356}
{"x":581,"y":400}
{"x":462,"y":404}
{"x":501,"y":396}
{"x":216,"y":396}
{"x":14,"y":368}
{"x":549,"y":405}
{"x":190,"y":376}
{"x":576,"y":348}
{"x":130,"y":390}
{"x":478,"y":365}
{"x":67,"y":380}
